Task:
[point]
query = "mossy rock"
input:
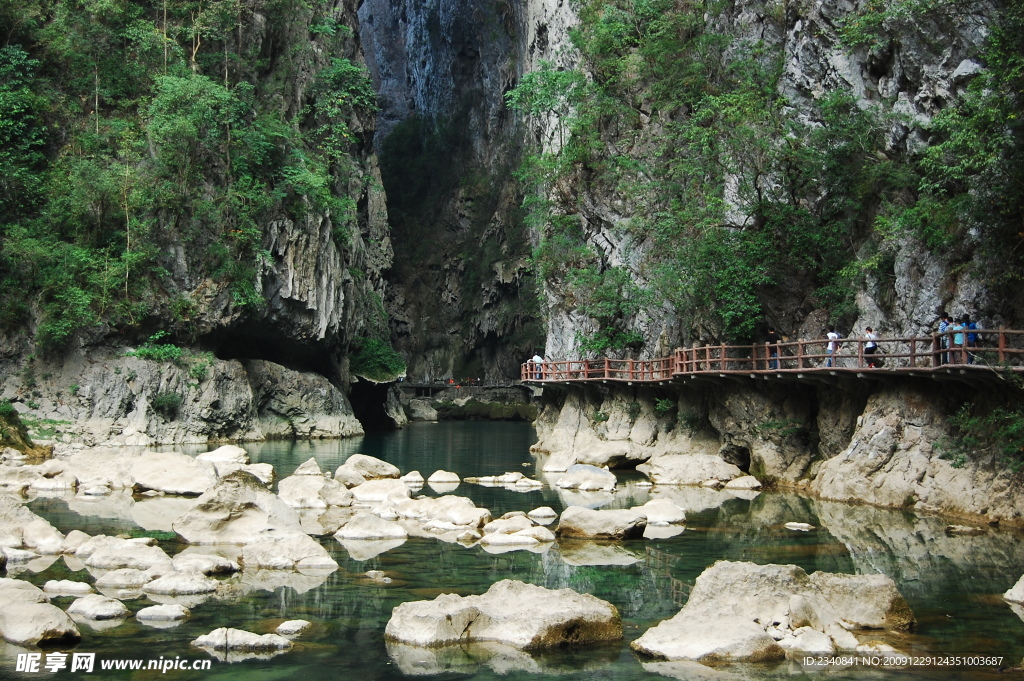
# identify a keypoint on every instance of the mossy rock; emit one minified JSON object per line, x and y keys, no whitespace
{"x":14,"y":434}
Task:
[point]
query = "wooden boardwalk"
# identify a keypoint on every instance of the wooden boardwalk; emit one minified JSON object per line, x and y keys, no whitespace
{"x":941,"y":356}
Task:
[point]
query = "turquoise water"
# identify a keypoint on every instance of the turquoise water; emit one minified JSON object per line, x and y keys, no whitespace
{"x":952,"y":583}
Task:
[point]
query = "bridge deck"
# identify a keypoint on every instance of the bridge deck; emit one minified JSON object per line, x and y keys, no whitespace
{"x":950,"y":356}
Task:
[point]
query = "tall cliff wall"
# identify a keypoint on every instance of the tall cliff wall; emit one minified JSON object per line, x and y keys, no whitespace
{"x":462,"y":303}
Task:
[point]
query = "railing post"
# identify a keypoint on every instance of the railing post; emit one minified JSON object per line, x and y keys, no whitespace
{"x":799,"y":354}
{"x":707,"y":358}
{"x":913,"y":352}
{"x":860,"y":354}
{"x":632,"y":370}
{"x":607,"y":368}
{"x":721,"y":358}
{"x":753,"y":357}
{"x":1002,"y":344}
{"x":935,"y":350}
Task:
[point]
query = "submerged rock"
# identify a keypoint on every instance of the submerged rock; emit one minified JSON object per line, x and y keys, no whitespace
{"x":748,"y":612}
{"x":580,"y":522}
{"x":521,"y":615}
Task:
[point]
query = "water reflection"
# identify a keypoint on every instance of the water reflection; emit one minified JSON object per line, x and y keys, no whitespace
{"x":953,"y":583}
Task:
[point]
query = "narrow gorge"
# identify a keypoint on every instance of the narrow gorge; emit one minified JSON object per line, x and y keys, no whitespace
{"x":437,"y":191}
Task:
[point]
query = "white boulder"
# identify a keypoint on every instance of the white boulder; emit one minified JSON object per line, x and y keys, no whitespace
{"x":521,"y":615}
{"x":744,"y":482}
{"x":661,"y":512}
{"x":181,"y":584}
{"x":238,"y":509}
{"x":586,"y":523}
{"x":688,"y":469}
{"x":359,"y":468}
{"x":440,"y":476}
{"x":294,"y":551}
{"x":163,"y":613}
{"x":369,"y":526}
{"x":65,"y":587}
{"x":113,"y":553}
{"x":292,"y":627}
{"x":376,"y":491}
{"x":172,"y":473}
{"x":204,"y":563}
{"x":237,"y":639}
{"x":311,"y":491}
{"x":97,"y":607}
{"x":587,"y":478}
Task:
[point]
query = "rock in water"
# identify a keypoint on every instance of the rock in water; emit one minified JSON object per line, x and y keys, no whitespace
{"x":97,"y":607}
{"x":748,"y":612}
{"x":688,"y":469}
{"x":237,"y":510}
{"x":172,"y":473}
{"x":163,"y":613}
{"x":28,"y":619}
{"x":521,"y":615}
{"x":369,"y":526}
{"x":577,"y":521}
{"x":237,"y":639}
{"x":1016,"y":592}
{"x":359,"y":468}
{"x":294,"y":551}
{"x":587,"y":478}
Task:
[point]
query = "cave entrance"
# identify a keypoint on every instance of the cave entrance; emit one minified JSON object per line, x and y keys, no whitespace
{"x":369,"y":404}
{"x":737,"y":455}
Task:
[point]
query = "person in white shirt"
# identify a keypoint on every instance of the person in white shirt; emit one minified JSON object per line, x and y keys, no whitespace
{"x":537,"y":361}
{"x":833,"y":344}
{"x":870,"y":347}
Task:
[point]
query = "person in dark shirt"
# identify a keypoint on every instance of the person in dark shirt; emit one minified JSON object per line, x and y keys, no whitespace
{"x":773,"y":348}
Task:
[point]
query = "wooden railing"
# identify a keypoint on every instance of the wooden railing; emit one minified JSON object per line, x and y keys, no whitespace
{"x":1003,"y":348}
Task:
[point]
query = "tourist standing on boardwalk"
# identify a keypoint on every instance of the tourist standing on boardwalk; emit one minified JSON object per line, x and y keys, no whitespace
{"x":773,"y":348}
{"x":956,"y":355}
{"x":870,"y":347}
{"x":944,"y":339}
{"x":972,"y":338}
{"x":537,"y":361}
{"x":833,"y":344}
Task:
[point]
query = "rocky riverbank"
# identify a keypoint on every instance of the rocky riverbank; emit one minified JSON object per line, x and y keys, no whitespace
{"x":878,"y":444}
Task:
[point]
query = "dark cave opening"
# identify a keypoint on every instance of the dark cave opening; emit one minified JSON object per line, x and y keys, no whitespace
{"x":369,"y":404}
{"x":256,"y":341}
{"x":737,"y":456}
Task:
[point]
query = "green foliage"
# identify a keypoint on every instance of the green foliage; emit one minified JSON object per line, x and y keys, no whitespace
{"x":663,"y":406}
{"x":782,"y":428}
{"x":600,"y":417}
{"x":980,"y":431}
{"x":158,"y":349}
{"x":6,"y":408}
{"x":376,"y":360}
{"x":128,"y":129}
{"x":166,"y":403}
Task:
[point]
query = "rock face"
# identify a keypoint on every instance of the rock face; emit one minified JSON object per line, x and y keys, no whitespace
{"x":520,"y":615}
{"x":586,"y":523}
{"x":237,"y":510}
{"x":743,"y":611}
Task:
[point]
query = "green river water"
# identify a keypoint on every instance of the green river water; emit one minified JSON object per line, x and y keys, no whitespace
{"x":953,"y":583}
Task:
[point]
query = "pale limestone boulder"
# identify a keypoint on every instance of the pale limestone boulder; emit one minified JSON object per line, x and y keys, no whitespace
{"x":292,"y":627}
{"x":125,"y":578}
{"x":586,"y":523}
{"x":295,"y":551}
{"x":172,"y":473}
{"x":743,"y":611}
{"x":65,"y":587}
{"x":181,"y":584}
{"x":204,"y":563}
{"x":526,"y":537}
{"x":376,"y":491}
{"x":73,"y":540}
{"x":1016,"y":592}
{"x":17,"y":479}
{"x":457,"y":512}
{"x":369,"y":526}
{"x":32,"y":624}
{"x":359,"y":468}
{"x":96,"y":607}
{"x":507,"y":525}
{"x":661,"y":512}
{"x":587,"y":478}
{"x":171,"y":612}
{"x":730,"y":638}
{"x":688,"y":469}
{"x":309,"y":467}
{"x":412,"y":478}
{"x":798,"y":527}
{"x":18,"y":591}
{"x":113,"y":553}
{"x":237,"y":639}
{"x":521,"y":615}
{"x":311,"y":491}
{"x":744,"y":482}
{"x":103,"y":467}
{"x":20,"y":528}
{"x":421,"y":410}
{"x":543,"y":513}
{"x":440,"y":476}
{"x":238,"y":509}
{"x":226,"y":454}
